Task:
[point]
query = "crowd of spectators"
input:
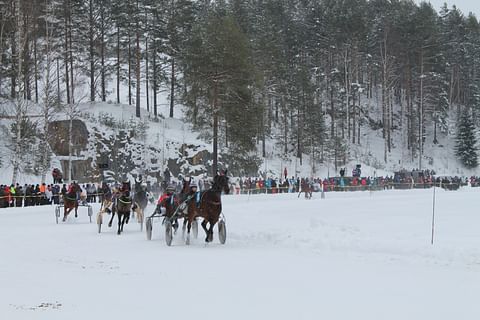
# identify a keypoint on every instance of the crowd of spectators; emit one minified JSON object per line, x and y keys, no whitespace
{"x":41,"y":194}
{"x":47,"y":194}
{"x":414,"y":179}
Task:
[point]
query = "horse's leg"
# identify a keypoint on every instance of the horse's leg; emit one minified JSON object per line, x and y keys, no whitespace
{"x":135,"y":212}
{"x":139,"y":214}
{"x":189,"y":226}
{"x":121,"y":221}
{"x":76,"y":209}
{"x":127,"y":217}
{"x":66,"y":211}
{"x":111,"y":220}
{"x":210,"y":230}
{"x":204,"y":226}
{"x":175,"y":226}
{"x":184,"y":228}
{"x":107,"y":206}
{"x":188,"y":220}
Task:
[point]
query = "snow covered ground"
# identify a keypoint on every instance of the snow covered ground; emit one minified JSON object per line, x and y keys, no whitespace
{"x":350,"y":256}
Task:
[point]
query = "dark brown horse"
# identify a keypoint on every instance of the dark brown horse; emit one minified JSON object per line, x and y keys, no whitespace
{"x":122,"y":206}
{"x":70,"y":201}
{"x":185,"y":189}
{"x":209,"y":208}
{"x":172,"y":203}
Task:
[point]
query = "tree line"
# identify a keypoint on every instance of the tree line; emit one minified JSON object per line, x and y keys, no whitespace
{"x":311,"y":75}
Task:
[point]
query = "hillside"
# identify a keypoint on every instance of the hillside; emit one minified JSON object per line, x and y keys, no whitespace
{"x":310,"y":86}
{"x":172,"y":142}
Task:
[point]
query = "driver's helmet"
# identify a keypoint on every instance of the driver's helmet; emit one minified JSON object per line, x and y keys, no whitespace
{"x":170,"y":189}
{"x":193,"y":184}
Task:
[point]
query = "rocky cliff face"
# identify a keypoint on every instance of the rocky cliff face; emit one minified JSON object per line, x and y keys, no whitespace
{"x":59,"y":131}
{"x":82,"y":169}
{"x":122,"y":155}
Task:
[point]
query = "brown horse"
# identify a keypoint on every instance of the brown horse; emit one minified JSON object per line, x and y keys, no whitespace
{"x":122,"y":206}
{"x":140,"y":201}
{"x":70,"y":201}
{"x":107,"y":204}
{"x":171,"y":204}
{"x":107,"y":199}
{"x":209,"y":208}
{"x":307,"y":188}
{"x":176,"y":207}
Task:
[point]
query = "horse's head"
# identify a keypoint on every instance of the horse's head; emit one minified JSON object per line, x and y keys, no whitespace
{"x":139,"y":186}
{"x":75,"y":188}
{"x":220,"y":182}
{"x":126,"y":186}
{"x":186,"y":186}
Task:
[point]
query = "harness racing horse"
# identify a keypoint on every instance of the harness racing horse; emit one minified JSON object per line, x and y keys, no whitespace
{"x":184,"y":198}
{"x":122,"y":206}
{"x":70,"y":201}
{"x":140,"y":202}
{"x":171,"y":204}
{"x":176,"y":206}
{"x":107,"y":204}
{"x":307,"y":188}
{"x":107,"y":199}
{"x":210,"y":207}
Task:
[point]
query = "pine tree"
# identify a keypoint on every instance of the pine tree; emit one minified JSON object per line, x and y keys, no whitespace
{"x":466,"y":149}
{"x":219,"y":72}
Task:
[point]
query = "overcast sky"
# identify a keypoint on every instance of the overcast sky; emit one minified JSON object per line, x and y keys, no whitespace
{"x":465,"y":6}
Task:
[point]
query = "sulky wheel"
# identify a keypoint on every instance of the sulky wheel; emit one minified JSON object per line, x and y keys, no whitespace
{"x":140,"y":220}
{"x":195,"y":228}
{"x":148,"y":228}
{"x":99,"y":221}
{"x":57,"y":213}
{"x":90,"y":213}
{"x":168,"y":233}
{"x":222,"y":232}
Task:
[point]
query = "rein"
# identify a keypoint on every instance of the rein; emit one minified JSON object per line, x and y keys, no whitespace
{"x":124,"y":202}
{"x":71,"y":196}
{"x":71,"y":199}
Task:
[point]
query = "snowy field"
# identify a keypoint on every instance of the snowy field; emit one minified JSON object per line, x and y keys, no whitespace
{"x":350,"y":256}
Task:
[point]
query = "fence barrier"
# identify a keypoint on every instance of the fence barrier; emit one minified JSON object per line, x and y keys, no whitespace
{"x":275,"y":190}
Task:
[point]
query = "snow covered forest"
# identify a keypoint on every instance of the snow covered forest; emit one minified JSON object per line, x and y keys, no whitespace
{"x":310,"y":77}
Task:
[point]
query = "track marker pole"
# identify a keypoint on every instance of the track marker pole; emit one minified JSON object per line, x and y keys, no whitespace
{"x":433,"y":213}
